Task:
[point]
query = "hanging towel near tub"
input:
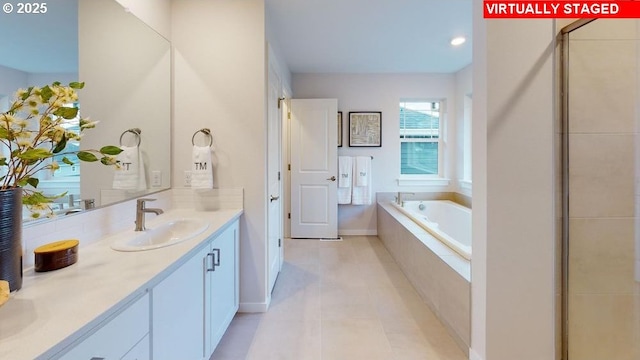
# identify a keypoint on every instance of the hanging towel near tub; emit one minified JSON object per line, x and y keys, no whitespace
{"x":130,"y":175}
{"x":344,"y":171}
{"x":345,"y":168}
{"x":201,"y":168}
{"x":362,"y":194}
{"x":363,"y":167}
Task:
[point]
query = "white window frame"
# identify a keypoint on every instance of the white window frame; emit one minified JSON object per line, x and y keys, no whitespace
{"x":465,"y":181}
{"x":426,"y":179}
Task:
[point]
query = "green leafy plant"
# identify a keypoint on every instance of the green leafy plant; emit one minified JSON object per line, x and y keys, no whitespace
{"x":33,"y":131}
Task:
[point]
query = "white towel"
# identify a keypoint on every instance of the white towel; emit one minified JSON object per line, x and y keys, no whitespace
{"x":361,"y":173}
{"x":345,"y":169}
{"x":131,"y":174}
{"x":362,"y":195}
{"x":201,"y":168}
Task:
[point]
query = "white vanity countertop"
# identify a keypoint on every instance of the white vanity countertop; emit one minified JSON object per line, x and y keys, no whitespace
{"x":54,"y":308}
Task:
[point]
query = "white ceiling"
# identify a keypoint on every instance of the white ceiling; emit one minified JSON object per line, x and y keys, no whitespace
{"x":371,"y":36}
{"x":313,"y":36}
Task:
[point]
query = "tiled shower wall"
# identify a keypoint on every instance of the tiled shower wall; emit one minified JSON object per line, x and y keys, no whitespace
{"x":604,"y":296}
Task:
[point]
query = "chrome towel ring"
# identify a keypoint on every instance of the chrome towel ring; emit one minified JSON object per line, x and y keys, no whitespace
{"x":135,"y":131}
{"x":206,"y":132}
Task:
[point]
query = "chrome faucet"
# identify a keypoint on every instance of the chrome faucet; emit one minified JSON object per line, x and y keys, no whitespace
{"x":141,"y":209}
{"x":399,"y":200}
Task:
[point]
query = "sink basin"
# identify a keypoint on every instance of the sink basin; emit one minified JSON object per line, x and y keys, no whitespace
{"x":164,"y":234}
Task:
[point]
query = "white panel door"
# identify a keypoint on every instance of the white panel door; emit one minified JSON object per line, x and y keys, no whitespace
{"x":314,"y":141}
{"x":274,"y":183}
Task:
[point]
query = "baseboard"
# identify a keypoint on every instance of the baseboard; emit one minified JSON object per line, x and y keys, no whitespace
{"x":474,"y":355}
{"x":253,"y":307}
{"x":365,"y":232}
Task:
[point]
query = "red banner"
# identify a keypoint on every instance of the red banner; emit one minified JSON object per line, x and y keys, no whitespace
{"x":499,"y":9}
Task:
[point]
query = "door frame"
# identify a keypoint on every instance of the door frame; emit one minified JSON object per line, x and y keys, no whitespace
{"x":274,"y":79}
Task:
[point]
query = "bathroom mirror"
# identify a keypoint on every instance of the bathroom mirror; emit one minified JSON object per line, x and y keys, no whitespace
{"x":125,"y":66}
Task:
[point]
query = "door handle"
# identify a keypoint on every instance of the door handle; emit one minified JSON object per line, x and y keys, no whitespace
{"x":333,"y":178}
{"x":273,"y":198}
{"x":213,"y":262}
{"x":216,"y":259}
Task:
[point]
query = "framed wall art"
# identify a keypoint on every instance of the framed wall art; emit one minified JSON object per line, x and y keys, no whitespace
{"x":365,"y":129}
{"x":339,"y":128}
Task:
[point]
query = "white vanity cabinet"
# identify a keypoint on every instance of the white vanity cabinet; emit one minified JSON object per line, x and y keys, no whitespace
{"x":193,"y":306}
{"x":221,"y":287}
{"x":178,"y":312}
{"x":120,"y":335}
{"x":182,"y":316}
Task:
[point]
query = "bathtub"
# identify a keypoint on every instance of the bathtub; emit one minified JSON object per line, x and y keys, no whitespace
{"x":434,"y":263}
{"x":445,"y":220}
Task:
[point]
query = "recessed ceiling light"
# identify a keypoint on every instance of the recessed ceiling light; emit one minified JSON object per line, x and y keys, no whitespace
{"x":456,"y":41}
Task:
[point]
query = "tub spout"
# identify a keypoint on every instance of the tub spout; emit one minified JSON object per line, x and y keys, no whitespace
{"x":400,"y":195}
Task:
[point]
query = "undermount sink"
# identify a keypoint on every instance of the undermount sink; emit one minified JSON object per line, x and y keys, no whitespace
{"x":164,"y":234}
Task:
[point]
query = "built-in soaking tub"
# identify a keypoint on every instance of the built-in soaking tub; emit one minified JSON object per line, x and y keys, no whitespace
{"x":445,"y":220}
{"x":435,"y":258}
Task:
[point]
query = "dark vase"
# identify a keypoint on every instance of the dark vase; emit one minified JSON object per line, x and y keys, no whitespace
{"x":11,"y":237}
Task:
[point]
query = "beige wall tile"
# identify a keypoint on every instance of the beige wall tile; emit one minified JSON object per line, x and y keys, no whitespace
{"x":601,"y":175}
{"x":455,"y":303}
{"x":604,"y":327}
{"x":602,"y":86}
{"x":607,"y":29}
{"x":601,"y":256}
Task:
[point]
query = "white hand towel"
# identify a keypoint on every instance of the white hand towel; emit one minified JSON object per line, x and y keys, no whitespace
{"x":344,"y":171}
{"x":361,"y":173}
{"x":362,"y":195}
{"x":201,"y":168}
{"x":131,"y":174}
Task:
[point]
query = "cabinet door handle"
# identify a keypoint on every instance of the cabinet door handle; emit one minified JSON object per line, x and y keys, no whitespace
{"x":97,"y":358}
{"x":216,"y":259}
{"x":213,"y":263}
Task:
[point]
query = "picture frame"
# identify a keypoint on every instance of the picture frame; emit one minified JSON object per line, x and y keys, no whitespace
{"x":365,"y":128}
{"x":339,"y":128}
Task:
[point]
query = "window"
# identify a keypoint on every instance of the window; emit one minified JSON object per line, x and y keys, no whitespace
{"x":420,"y":146}
{"x":466,"y":141}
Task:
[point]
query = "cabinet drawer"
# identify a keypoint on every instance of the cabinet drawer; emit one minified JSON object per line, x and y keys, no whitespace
{"x":117,"y":336}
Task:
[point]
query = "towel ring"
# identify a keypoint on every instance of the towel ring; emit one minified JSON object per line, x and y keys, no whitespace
{"x":207,"y":133}
{"x":135,"y":131}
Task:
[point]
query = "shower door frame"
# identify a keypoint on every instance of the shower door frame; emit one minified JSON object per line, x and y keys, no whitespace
{"x":563,"y":43}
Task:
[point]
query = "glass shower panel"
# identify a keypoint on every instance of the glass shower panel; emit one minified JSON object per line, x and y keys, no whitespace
{"x":603,"y":192}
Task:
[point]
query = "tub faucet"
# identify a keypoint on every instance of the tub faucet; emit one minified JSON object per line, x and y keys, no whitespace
{"x":141,"y":210}
{"x":399,"y":197}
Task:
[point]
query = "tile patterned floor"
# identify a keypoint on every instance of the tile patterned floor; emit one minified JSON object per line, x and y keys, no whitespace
{"x":340,"y":300}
